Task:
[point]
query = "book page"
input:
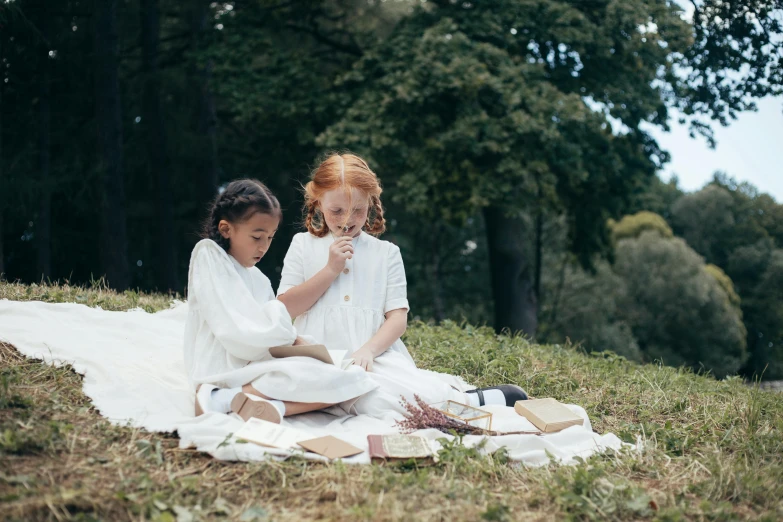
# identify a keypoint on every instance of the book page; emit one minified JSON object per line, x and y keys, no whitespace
{"x":271,"y":434}
{"x":337,"y":357}
{"x":406,"y":446}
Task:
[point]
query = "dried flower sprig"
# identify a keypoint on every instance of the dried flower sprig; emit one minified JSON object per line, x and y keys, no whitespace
{"x":421,"y":416}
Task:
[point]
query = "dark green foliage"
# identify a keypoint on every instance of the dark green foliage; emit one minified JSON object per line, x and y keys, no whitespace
{"x":678,"y":312}
{"x":739,"y":229}
{"x":528,"y":113}
{"x":657,"y":301}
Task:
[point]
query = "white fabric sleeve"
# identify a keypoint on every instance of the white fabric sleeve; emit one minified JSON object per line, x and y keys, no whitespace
{"x":293,"y":266}
{"x":396,"y":286}
{"x":244,"y":327}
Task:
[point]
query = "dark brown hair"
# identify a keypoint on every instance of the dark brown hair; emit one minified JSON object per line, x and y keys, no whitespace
{"x":237,"y":203}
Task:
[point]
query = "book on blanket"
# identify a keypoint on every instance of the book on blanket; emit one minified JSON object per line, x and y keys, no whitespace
{"x":269,"y":434}
{"x":399,"y":448}
{"x":548,"y":415}
{"x":330,"y":447}
{"x":316,"y":351}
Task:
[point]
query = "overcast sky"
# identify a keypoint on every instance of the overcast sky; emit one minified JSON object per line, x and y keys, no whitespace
{"x":749,"y":149}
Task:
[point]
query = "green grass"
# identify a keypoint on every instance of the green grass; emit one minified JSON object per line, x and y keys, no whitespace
{"x":710,"y":450}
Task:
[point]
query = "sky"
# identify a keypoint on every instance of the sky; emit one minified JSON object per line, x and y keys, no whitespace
{"x":749,"y":149}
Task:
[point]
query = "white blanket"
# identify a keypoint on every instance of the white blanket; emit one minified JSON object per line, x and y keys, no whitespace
{"x":133,"y":370}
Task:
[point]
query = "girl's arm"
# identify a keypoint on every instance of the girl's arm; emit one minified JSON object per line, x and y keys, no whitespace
{"x":244,"y":327}
{"x":392,"y":329}
{"x":302,"y":297}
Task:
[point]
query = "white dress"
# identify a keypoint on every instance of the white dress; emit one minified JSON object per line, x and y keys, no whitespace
{"x":353,"y":309}
{"x":233,"y":320}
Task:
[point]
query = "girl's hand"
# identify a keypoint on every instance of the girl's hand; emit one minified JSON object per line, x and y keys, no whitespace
{"x":340,"y":251}
{"x":299,"y":341}
{"x":363,"y":357}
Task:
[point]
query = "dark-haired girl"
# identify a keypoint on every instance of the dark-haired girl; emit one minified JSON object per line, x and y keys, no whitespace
{"x":234,"y":319}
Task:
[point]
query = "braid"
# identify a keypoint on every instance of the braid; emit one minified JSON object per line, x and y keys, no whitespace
{"x":314,"y":225}
{"x":377,"y":225}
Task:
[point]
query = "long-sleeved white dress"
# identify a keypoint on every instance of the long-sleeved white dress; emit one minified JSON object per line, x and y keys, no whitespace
{"x":233,"y":320}
{"x":353,"y":309}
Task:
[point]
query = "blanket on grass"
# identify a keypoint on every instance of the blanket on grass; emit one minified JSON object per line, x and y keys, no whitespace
{"x":134,"y":374}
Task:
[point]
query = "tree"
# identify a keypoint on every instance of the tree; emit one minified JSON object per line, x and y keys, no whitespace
{"x":679,"y":313}
{"x":589,"y":313}
{"x":705,"y":219}
{"x":735,"y":58}
{"x":469,"y":108}
{"x":657,"y":301}
{"x":738,"y":229}
{"x":656,"y":196}
{"x":43,"y":236}
{"x":274,"y":71}
{"x":633,"y":225}
{"x":3,"y":182}
{"x":158,"y":160}
{"x":109,"y":129}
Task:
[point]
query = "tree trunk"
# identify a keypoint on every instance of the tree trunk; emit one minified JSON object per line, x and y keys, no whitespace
{"x":2,"y":254}
{"x":435,"y":278}
{"x":512,"y":272}
{"x":159,"y":163}
{"x":109,"y":126}
{"x":2,"y":174}
{"x":206,"y":116}
{"x":43,"y":225}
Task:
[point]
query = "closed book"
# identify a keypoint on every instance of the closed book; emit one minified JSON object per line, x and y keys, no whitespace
{"x":399,"y":448}
{"x":548,"y":415}
{"x":330,"y":447}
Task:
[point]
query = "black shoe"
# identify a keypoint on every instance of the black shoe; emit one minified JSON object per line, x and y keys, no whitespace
{"x":512,"y":392}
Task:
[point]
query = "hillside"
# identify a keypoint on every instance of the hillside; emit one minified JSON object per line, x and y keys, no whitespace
{"x":707,"y":449}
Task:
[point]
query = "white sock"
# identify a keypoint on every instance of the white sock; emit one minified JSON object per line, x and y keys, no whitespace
{"x":221,"y":398}
{"x":491,"y":397}
{"x":279,"y":406}
{"x":494,"y":397}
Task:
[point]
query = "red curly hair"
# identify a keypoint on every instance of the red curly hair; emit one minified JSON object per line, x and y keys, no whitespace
{"x":343,"y":171}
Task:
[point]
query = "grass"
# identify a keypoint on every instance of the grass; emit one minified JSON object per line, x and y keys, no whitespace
{"x":709,"y":450}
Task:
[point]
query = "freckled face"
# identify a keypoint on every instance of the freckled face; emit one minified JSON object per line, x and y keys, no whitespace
{"x":250,"y":239}
{"x":345,"y":216}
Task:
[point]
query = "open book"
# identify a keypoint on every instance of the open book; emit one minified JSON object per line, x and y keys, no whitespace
{"x":397,"y":448}
{"x":316,"y":351}
{"x":269,"y":434}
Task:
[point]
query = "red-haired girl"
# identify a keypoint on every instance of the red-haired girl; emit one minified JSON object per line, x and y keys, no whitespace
{"x":347,"y":289}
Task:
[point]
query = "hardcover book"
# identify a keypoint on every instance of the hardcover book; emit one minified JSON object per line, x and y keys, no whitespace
{"x":548,"y":415}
